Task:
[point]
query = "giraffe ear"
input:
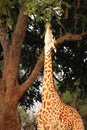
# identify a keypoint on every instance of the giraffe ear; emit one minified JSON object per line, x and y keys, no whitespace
{"x":53,"y":46}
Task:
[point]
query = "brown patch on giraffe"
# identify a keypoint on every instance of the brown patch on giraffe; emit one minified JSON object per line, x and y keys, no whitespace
{"x":50,"y":96}
{"x":46,"y":96}
{"x":44,"y":104}
{"x":44,"y":89}
{"x":48,"y":103}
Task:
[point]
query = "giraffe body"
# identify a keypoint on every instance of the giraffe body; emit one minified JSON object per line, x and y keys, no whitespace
{"x":61,"y":117}
{"x":54,"y":114}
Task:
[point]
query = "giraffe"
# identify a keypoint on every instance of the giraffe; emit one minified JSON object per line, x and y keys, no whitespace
{"x":54,"y":113}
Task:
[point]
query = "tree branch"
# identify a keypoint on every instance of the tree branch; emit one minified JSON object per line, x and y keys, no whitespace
{"x":3,"y":38}
{"x":70,"y":37}
{"x":4,"y":43}
{"x":15,"y":49}
{"x":39,"y":65}
{"x":16,"y":43}
{"x":20,"y":29}
{"x":33,"y":75}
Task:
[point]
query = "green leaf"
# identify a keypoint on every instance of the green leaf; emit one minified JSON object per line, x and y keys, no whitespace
{"x":67,"y":97}
{"x":9,"y":23}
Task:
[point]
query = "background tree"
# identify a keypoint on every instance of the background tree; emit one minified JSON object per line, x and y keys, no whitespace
{"x":23,"y":21}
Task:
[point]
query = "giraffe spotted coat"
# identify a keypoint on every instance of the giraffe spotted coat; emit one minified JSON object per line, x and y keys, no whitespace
{"x":54,"y":114}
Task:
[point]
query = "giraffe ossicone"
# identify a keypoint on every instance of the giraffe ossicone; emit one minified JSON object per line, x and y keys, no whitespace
{"x":54,"y":114}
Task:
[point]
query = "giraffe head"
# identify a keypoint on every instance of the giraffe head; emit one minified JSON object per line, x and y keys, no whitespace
{"x":49,"y":38}
{"x":48,"y":25}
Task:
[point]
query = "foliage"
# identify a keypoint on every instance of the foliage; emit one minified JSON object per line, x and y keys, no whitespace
{"x":28,"y":123}
{"x":72,"y":59}
{"x":44,"y":9}
{"x":67,"y":97}
{"x":24,"y":115}
{"x":31,"y":95}
{"x":8,"y":13}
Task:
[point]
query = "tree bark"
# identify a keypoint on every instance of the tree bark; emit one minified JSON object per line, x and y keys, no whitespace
{"x":9,"y":87}
{"x":9,"y":118}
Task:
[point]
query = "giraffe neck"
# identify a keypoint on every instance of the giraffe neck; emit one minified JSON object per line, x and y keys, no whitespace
{"x":48,"y":80}
{"x":48,"y":70}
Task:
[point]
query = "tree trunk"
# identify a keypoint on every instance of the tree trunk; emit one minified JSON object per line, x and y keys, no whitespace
{"x":9,"y":117}
{"x":9,"y":87}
